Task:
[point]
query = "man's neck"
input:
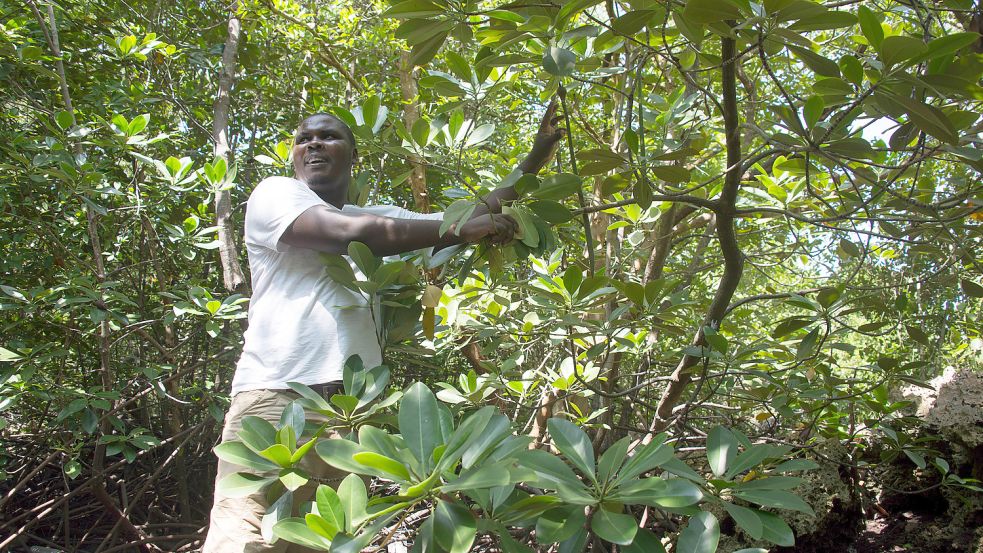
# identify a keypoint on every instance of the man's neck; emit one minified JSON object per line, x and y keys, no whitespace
{"x":332,"y":193}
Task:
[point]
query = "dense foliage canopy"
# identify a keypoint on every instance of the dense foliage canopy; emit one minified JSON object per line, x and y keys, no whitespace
{"x":767,"y":218}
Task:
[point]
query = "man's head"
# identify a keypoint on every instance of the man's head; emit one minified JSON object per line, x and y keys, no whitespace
{"x":323,"y":154}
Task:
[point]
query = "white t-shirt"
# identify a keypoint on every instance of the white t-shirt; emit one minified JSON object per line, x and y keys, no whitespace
{"x":302,"y":324}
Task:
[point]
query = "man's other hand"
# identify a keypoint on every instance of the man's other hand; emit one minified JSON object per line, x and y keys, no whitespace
{"x":499,"y":228}
{"x":546,"y":142}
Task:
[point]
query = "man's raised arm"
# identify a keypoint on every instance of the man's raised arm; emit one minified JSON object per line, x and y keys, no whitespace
{"x":323,"y":229}
{"x":544,"y":146}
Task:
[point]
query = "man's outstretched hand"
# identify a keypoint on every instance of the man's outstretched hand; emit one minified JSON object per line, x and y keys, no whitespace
{"x":546,"y":142}
{"x":497,"y":227}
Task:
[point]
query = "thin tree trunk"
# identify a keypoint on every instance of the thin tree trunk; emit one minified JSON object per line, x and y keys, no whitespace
{"x":232,"y":274}
{"x":726,"y":235}
{"x":411,"y":114}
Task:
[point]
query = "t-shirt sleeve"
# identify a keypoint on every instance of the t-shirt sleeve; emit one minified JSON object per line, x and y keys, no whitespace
{"x":274,"y":204}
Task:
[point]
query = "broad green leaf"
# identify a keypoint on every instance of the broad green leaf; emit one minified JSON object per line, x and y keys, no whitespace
{"x":644,"y":542}
{"x":852,"y":69}
{"x":701,"y":12}
{"x":137,"y":124}
{"x":775,"y":498}
{"x":454,"y":527}
{"x":363,"y":257}
{"x":7,"y":355}
{"x":321,"y":526}
{"x":279,"y":510}
{"x":574,"y":444}
{"x":721,"y":449}
{"x":775,"y":530}
{"x":413,"y":9}
{"x":646,"y":458}
{"x":656,"y":492}
{"x":557,"y":525}
{"x":423,"y":52}
{"x":382,"y":463}
{"x":551,"y":211}
{"x":418,"y":422}
{"x":813,"y":110}
{"x":896,"y":49}
{"x":354,"y":498}
{"x":949,"y":44}
{"x":614,"y":527}
{"x":746,"y":518}
{"x":550,"y":469}
{"x":479,"y":135}
{"x":700,"y":535}
{"x":673,"y":174}
{"x":295,"y":530}
{"x":293,"y":478}
{"x":238,"y":453}
{"x":806,"y":346}
{"x":870,"y":26}
{"x":817,"y":63}
{"x":339,"y":453}
{"x":559,"y":61}
{"x":929,"y":119}
{"x":790,"y":325}
{"x":612,"y":459}
{"x":64,"y":119}
{"x":558,"y":187}
{"x":329,"y":506}
{"x":278,"y":453}
{"x":752,"y":457}
{"x":480,"y":477}
{"x":241,"y":484}
{"x":971,"y":289}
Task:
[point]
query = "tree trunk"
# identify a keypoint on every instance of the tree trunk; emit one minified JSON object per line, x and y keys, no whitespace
{"x":232,"y":273}
{"x":411,"y":114}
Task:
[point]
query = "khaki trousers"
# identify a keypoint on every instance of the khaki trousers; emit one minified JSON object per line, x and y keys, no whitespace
{"x":235,"y":522}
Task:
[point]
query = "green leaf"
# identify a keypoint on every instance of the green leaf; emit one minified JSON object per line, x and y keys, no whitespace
{"x":551,"y":211}
{"x":413,"y":9}
{"x":752,"y":457}
{"x":870,"y":26}
{"x":7,"y":355}
{"x":354,"y":498}
{"x":817,"y":63}
{"x":241,"y":484}
{"x":971,"y":289}
{"x":633,"y":21}
{"x":64,"y":119}
{"x":807,"y":345}
{"x":673,"y":174}
{"x":614,"y":527}
{"x":645,"y":542}
{"x":612,"y":459}
{"x":238,"y":453}
{"x":790,"y":325}
{"x":656,"y":492}
{"x":559,"y":61}
{"x":721,"y":449}
{"x":293,"y":478}
{"x":701,"y":12}
{"x":556,"y":525}
{"x":700,"y":535}
{"x":382,"y":463}
{"x":550,"y":469}
{"x":949,"y":44}
{"x":558,"y":187}
{"x":329,"y":506}
{"x":574,"y":444}
{"x":339,"y":453}
{"x":479,"y":135}
{"x":454,"y":527}
{"x":813,"y":110}
{"x":363,"y":257}
{"x":896,"y":49}
{"x":929,"y":119}
{"x":775,"y":530}
{"x":480,"y":477}
{"x":418,"y":422}
{"x":646,"y":458}
{"x":422,"y":53}
{"x":137,"y":124}
{"x":455,"y":213}
{"x":295,"y":530}
{"x":257,"y":433}
{"x":745,"y":518}
{"x":852,"y":69}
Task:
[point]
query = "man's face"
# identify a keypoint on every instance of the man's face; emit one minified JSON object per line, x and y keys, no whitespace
{"x":322,"y":153}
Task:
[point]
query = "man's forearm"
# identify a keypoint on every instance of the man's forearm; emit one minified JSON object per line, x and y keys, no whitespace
{"x":332,"y":233}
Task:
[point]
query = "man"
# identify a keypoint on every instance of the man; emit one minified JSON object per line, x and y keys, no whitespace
{"x":302,"y":324}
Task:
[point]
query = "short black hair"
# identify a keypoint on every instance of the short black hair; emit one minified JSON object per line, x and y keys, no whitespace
{"x":348,"y":130}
